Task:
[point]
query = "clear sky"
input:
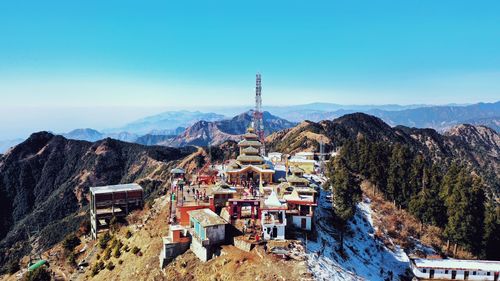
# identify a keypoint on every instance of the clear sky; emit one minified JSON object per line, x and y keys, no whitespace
{"x":178,"y":54}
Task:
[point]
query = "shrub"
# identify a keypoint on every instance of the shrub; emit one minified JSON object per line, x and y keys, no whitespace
{"x":135,"y":250}
{"x":95,"y":271}
{"x":72,"y":259}
{"x":113,"y":224}
{"x":13,"y":267}
{"x":107,"y":254}
{"x":104,"y":240}
{"x":39,"y":274}
{"x":116,"y":252}
{"x":110,"y":266}
{"x":85,"y":226}
{"x":150,"y":203}
{"x":120,"y":262}
{"x":70,"y":242}
{"x":100,"y":265}
{"x":119,"y":244}
{"x":128,"y":234}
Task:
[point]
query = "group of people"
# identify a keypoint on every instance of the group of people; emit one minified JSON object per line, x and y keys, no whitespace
{"x":197,"y":194}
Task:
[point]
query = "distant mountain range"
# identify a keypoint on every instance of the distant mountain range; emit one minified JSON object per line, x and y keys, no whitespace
{"x":437,"y":117}
{"x":212,"y":133}
{"x":166,"y":123}
{"x":203,"y":128}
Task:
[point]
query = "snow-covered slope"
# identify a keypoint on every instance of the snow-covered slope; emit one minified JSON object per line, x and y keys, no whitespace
{"x":366,"y":257}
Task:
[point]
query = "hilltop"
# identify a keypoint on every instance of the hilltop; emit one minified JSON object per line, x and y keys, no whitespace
{"x":44,"y":183}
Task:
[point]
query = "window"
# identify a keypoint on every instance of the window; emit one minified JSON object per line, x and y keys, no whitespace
{"x":488,"y":273}
{"x":424,"y":270}
{"x":446,"y":271}
{"x":473,"y":273}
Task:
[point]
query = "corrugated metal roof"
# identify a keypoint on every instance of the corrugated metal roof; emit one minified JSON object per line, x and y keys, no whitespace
{"x":115,"y":188}
{"x":458,"y":264}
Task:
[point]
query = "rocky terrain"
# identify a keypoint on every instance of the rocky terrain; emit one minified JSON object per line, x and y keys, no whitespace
{"x":44,"y":183}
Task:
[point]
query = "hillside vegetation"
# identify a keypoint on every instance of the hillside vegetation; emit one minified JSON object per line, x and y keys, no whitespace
{"x":45,"y":180}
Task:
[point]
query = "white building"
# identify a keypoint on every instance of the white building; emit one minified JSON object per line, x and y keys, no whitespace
{"x":301,"y":205}
{"x":451,"y":269}
{"x":275,"y":157}
{"x":273,"y":218}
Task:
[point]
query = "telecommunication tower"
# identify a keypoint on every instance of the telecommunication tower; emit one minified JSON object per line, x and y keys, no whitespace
{"x":258,"y":119}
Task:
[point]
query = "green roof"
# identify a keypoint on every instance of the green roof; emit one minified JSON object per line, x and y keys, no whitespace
{"x":36,"y":265}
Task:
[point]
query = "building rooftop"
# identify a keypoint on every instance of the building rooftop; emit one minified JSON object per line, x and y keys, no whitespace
{"x":296,"y":170}
{"x":115,"y":188}
{"x":259,"y":169}
{"x":250,"y":136}
{"x":458,"y":264}
{"x":295,"y":179}
{"x":206,"y":217}
{"x":177,"y":171}
{"x":250,"y":143}
{"x":301,"y":160}
{"x":250,"y":158}
{"x":250,"y":150}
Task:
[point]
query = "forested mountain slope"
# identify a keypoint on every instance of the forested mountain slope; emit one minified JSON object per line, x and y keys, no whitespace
{"x":44,"y":183}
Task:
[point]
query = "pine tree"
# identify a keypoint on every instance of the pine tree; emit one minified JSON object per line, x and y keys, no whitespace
{"x":465,"y":209}
{"x":491,"y":237}
{"x":346,"y":194}
{"x":427,"y":205}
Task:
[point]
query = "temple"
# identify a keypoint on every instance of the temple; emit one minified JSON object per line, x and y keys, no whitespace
{"x":249,"y":168}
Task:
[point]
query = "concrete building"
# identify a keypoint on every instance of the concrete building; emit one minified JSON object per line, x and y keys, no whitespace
{"x":307,"y":165}
{"x":176,"y":243}
{"x":301,"y":205}
{"x":208,"y":233}
{"x":111,"y":201}
{"x":451,"y":269}
{"x":273,"y":218}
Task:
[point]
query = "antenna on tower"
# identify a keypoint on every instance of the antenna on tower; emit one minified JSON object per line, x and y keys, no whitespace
{"x":258,"y":122}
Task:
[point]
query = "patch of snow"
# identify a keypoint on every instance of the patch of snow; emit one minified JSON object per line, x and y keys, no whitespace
{"x":367,"y":258}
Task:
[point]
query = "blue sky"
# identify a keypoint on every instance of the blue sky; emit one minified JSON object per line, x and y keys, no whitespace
{"x":181,"y":54}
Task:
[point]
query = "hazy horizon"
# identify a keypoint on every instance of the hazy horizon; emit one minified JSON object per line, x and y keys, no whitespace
{"x":62,"y":119}
{"x":129,"y":58}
